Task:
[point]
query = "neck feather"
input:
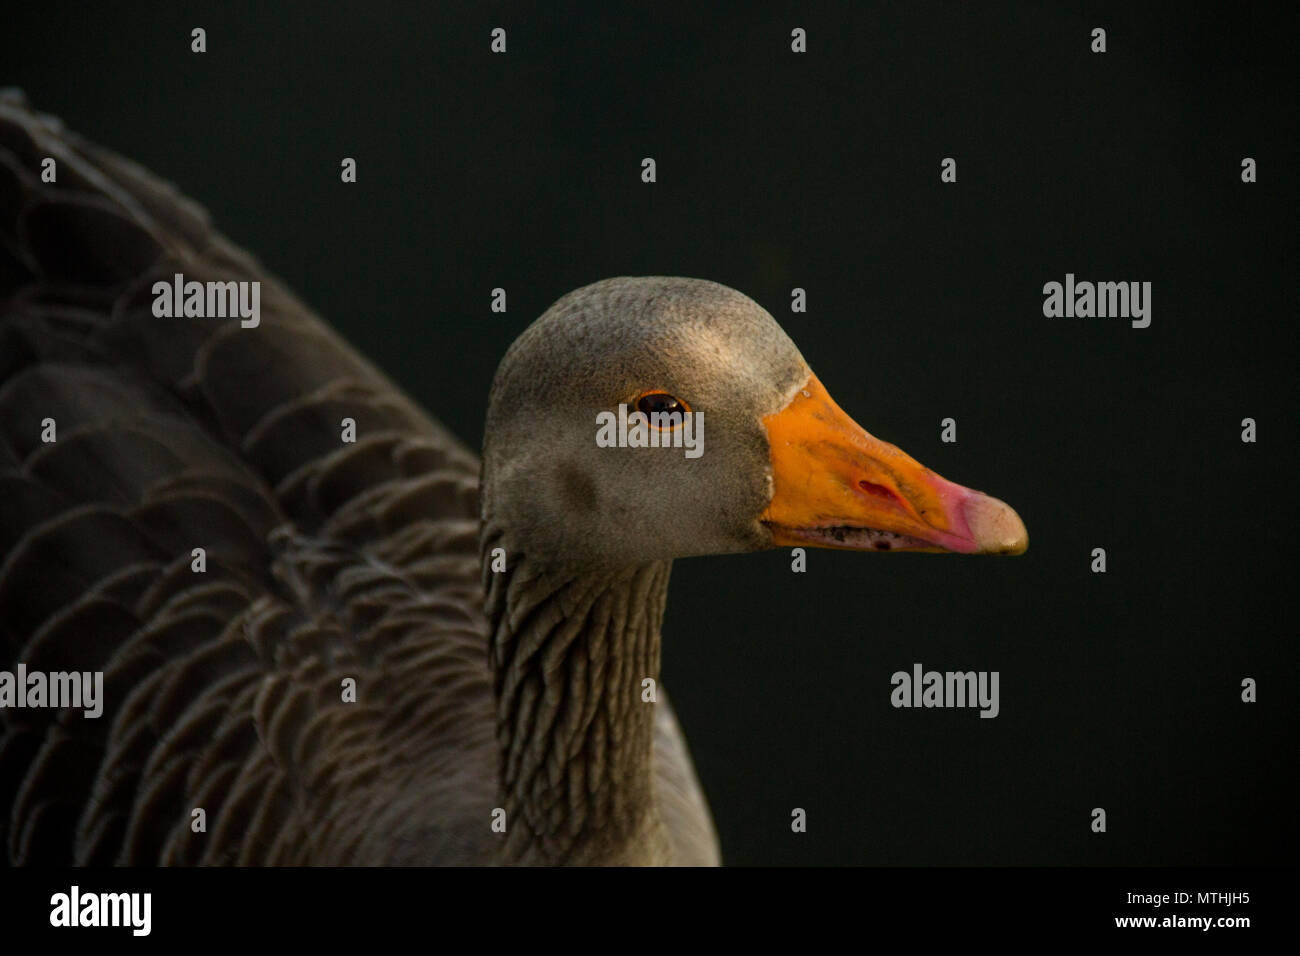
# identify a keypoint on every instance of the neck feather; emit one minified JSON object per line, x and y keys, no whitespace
{"x":569,"y":651}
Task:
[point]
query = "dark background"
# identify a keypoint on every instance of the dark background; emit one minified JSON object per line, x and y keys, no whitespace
{"x":821,"y":170}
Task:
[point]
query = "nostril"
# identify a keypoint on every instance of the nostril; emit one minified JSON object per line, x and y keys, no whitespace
{"x":880,"y":491}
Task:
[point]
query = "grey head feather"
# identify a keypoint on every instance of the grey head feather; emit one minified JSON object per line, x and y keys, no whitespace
{"x":562,"y":496}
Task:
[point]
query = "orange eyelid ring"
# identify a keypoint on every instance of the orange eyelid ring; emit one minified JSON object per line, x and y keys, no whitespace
{"x":674,"y":417}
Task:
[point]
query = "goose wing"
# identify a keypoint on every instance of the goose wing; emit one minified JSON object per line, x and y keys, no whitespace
{"x":227,"y":732}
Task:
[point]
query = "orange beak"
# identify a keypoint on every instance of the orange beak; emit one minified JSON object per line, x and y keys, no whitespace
{"x":835,"y":486}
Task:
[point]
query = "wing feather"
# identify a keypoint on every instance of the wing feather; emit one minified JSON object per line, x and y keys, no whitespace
{"x":323,"y":560}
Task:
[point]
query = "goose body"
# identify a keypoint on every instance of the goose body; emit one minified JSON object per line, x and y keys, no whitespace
{"x":495,"y":620}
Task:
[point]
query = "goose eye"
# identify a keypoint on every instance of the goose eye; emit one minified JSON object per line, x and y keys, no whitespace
{"x":661,"y":403}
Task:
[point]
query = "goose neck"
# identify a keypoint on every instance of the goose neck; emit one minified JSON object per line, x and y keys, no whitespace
{"x":571,"y":652}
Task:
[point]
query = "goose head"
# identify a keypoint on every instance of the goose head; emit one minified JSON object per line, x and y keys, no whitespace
{"x":766,"y":458}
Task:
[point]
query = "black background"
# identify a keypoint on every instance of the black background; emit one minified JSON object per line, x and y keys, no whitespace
{"x":821,"y":171}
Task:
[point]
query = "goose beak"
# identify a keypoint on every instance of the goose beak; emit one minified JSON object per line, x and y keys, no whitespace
{"x":835,"y":486}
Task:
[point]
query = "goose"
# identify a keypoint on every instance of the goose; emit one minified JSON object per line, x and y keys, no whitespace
{"x":385,"y":650}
